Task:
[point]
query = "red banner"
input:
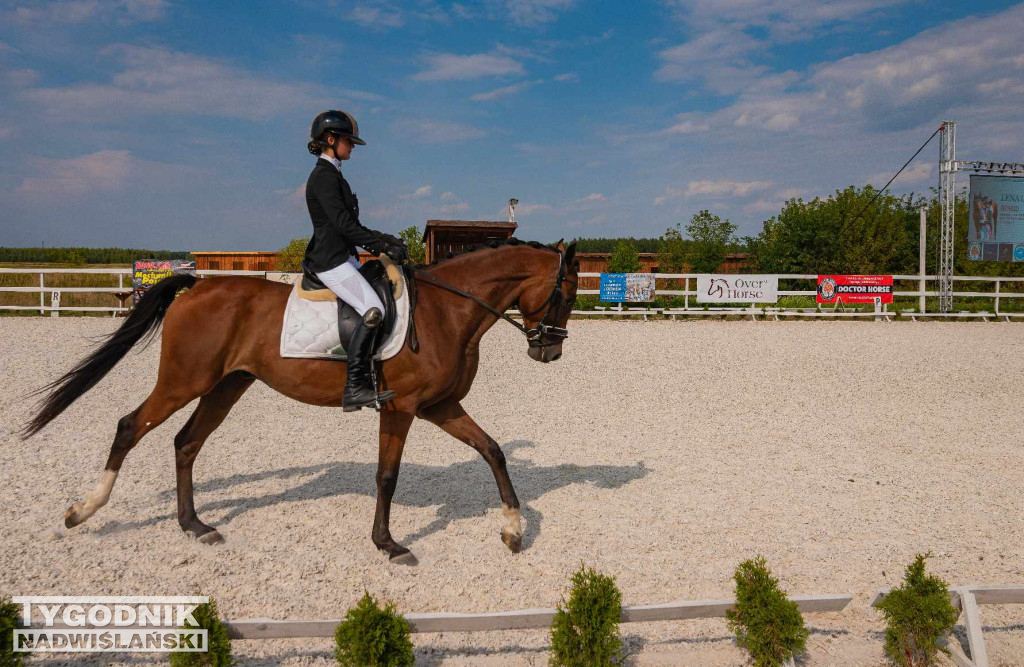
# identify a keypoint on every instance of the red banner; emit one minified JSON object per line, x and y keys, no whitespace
{"x":854,"y":289}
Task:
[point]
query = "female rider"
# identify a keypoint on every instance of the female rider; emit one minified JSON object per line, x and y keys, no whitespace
{"x":331,"y":254}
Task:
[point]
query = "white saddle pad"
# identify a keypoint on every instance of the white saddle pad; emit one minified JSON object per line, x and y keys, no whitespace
{"x":310,"y":328}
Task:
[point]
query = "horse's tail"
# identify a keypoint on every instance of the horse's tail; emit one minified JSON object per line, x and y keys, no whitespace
{"x":140,"y":323}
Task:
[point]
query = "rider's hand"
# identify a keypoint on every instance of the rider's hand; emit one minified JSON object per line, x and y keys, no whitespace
{"x":393,"y":240}
{"x":397,"y":253}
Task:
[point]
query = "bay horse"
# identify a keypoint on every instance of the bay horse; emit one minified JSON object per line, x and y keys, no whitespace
{"x":221,"y":334}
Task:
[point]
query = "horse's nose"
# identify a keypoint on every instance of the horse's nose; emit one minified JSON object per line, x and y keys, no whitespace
{"x":556,"y":356}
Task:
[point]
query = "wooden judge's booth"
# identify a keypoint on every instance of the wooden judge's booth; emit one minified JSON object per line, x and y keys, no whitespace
{"x":442,"y":237}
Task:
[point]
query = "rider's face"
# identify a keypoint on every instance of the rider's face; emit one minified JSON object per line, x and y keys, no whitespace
{"x":342,"y":148}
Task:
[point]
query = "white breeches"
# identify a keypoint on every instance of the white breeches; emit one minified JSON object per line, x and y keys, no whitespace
{"x":351,"y":287}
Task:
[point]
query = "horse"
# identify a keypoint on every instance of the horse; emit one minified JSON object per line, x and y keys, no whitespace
{"x":222,"y":334}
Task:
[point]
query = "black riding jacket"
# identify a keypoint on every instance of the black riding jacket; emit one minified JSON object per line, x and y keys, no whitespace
{"x":335,"y":214}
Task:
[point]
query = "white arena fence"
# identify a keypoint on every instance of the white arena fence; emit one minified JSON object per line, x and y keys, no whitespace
{"x":926,"y":286}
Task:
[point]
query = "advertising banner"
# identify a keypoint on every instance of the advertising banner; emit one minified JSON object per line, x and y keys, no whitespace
{"x":737,"y":288}
{"x":995,"y":231}
{"x":854,"y":289}
{"x":628,"y":287}
{"x":148,"y":272}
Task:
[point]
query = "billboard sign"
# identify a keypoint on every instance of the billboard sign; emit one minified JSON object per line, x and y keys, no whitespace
{"x":995,"y":230}
{"x":854,"y":289}
{"x":627,"y":287}
{"x":148,"y":272}
{"x":737,"y":288}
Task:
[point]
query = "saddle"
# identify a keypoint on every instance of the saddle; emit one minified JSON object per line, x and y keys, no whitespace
{"x":318,"y":325}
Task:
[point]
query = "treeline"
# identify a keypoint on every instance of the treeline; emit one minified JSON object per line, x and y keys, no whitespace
{"x":856,"y":230}
{"x":87,"y":255}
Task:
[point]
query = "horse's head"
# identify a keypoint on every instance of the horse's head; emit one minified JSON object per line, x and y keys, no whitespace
{"x":546,"y":303}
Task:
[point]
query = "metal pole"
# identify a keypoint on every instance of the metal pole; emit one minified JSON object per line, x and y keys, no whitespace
{"x":924,"y":245}
{"x":947,"y":199}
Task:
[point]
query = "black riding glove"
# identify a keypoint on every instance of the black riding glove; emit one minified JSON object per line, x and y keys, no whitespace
{"x":398,"y":253}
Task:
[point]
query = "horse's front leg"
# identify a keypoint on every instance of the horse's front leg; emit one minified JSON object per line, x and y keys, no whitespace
{"x":454,"y":421}
{"x":394,"y":427}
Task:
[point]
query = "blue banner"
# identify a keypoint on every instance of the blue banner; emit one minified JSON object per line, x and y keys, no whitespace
{"x":613,"y":287}
{"x":629,"y":287}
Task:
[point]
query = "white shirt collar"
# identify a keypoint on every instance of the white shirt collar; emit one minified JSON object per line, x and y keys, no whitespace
{"x":336,"y":163}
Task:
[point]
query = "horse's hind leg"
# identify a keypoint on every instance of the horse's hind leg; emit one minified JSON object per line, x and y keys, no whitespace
{"x":212,"y":409}
{"x":130,"y":429}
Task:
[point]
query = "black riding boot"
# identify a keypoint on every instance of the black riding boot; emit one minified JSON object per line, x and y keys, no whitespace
{"x":359,"y":389}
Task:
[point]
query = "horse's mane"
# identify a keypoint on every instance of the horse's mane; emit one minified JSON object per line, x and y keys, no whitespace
{"x":496,"y":243}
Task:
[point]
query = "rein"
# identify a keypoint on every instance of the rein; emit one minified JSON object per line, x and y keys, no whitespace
{"x":535,"y":335}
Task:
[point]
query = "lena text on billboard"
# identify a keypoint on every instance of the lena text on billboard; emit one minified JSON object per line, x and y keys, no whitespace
{"x":995,"y":231}
{"x":854,"y":289}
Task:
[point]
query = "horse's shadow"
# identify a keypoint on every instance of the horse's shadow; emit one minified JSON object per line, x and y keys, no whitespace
{"x":459,"y":490}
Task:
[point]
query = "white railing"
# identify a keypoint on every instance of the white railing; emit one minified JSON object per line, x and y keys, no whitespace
{"x":123,"y":292}
{"x":753,"y":310}
{"x":690,"y":307}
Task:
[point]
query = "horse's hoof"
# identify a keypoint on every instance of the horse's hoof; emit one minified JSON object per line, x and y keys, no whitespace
{"x":72,"y":518}
{"x":513,"y":541}
{"x":212,"y":537}
{"x":404,"y":559}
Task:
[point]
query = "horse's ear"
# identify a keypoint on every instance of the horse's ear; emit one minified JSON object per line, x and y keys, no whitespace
{"x":570,"y":253}
{"x":560,"y":246}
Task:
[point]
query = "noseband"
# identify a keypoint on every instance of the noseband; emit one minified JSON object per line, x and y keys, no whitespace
{"x":539,"y":336}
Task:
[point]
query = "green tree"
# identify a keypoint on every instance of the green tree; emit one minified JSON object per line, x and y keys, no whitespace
{"x":585,"y":630}
{"x":766,"y":622}
{"x":9,"y":620}
{"x":289,"y":258}
{"x":218,"y":653}
{"x":711,"y":237}
{"x":373,"y":637}
{"x":625,"y":258}
{"x":673,"y":251}
{"x":917,"y":615}
{"x":414,"y":242}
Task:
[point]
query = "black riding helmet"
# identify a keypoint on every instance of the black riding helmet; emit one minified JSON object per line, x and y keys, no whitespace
{"x":340,"y":123}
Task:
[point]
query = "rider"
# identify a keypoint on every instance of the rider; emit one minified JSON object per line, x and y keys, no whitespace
{"x":331,"y":254}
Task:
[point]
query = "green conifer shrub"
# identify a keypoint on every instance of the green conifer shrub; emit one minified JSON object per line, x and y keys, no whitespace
{"x":766,"y":622}
{"x":218,"y":653}
{"x":917,"y":615}
{"x":373,"y":637}
{"x":585,"y":631}
{"x":9,"y":620}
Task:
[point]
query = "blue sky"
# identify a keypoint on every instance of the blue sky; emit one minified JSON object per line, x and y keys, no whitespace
{"x":163,"y":124}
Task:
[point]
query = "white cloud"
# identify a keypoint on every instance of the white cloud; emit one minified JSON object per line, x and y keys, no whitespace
{"x":722,"y":58}
{"x":102,"y":171}
{"x":788,"y":19}
{"x":450,"y":66}
{"x":688,"y":123}
{"x":419,"y":193}
{"x":594,"y":196}
{"x":525,"y":210}
{"x":535,"y":12}
{"x":453,"y":208}
{"x":376,"y":17}
{"x":161,"y":81}
{"x":725,"y":187}
{"x":7,"y":48}
{"x":571,"y":77}
{"x":503,"y":92}
{"x":80,"y":11}
{"x":437,"y":132}
{"x":915,"y":173}
{"x":448,"y":196}
{"x":18,"y":78}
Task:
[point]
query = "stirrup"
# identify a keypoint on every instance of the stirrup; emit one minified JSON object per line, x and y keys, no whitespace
{"x":377,"y":400}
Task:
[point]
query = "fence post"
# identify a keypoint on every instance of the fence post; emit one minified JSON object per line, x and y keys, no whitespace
{"x":924,"y":229}
{"x":55,"y":304}
{"x":998,"y":283}
{"x":42,"y":297}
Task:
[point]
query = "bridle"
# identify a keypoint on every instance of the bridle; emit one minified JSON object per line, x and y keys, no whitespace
{"x":544,"y":334}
